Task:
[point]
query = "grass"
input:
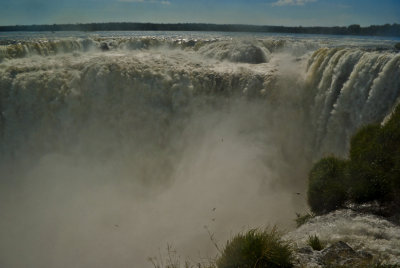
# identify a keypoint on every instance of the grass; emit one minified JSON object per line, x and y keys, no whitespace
{"x":173,"y":260}
{"x":315,"y":243}
{"x":256,"y":249}
{"x":302,"y":219}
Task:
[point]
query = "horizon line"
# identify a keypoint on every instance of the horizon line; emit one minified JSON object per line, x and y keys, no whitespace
{"x":204,"y":23}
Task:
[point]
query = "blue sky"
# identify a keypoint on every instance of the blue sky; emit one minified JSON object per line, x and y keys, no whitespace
{"x":263,"y":12}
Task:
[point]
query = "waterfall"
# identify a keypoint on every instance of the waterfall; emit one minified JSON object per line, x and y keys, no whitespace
{"x":350,"y":88}
{"x":112,"y":147}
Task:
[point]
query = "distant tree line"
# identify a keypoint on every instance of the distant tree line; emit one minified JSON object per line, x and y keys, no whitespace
{"x":355,"y":29}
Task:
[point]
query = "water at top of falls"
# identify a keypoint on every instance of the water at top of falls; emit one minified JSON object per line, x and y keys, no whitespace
{"x":321,"y":40}
{"x":190,"y":34}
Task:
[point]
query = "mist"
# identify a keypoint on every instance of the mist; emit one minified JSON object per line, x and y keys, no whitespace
{"x":77,"y":210}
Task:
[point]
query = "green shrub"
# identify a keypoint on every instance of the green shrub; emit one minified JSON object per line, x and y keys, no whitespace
{"x":256,"y":249}
{"x":327,"y":185}
{"x":368,"y":183}
{"x":302,"y":219}
{"x":371,"y":174}
{"x":315,"y":243}
{"x":375,"y":161}
{"x":391,"y":136}
{"x":368,"y":163}
{"x":364,"y":144}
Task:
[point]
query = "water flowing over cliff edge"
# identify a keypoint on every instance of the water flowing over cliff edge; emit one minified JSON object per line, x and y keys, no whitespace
{"x":111,"y":147}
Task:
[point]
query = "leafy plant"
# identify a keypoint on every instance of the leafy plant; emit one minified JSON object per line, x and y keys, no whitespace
{"x":372,"y":172}
{"x":327,"y":185}
{"x":368,"y":166}
{"x":375,"y":161}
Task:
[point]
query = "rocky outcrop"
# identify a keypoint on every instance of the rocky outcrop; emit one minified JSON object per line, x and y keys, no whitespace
{"x":353,"y":239}
{"x":338,"y":254}
{"x":341,"y":254}
{"x":104,"y":46}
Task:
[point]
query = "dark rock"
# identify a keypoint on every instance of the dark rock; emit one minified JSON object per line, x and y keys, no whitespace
{"x":104,"y":46}
{"x":340,"y":254}
{"x":389,"y":211}
{"x":305,"y":250}
{"x":365,"y":255}
{"x":191,"y":43}
{"x":397,"y":46}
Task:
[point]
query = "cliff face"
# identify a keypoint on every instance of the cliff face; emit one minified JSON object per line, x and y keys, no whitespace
{"x":352,"y":238}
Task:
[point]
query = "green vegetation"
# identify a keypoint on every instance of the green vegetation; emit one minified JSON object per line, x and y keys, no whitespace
{"x":367,"y":168}
{"x":172,"y":260}
{"x":302,"y":219}
{"x":315,"y":243}
{"x":372,"y":172}
{"x":255,"y":249}
{"x":326,"y":188}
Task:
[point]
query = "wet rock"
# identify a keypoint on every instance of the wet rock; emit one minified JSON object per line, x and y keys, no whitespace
{"x":243,"y":52}
{"x":104,"y":47}
{"x":307,"y":257}
{"x":305,"y":250}
{"x":341,"y":254}
{"x":338,"y":254}
{"x":361,"y":231}
{"x":390,"y":211}
{"x":190,"y":43}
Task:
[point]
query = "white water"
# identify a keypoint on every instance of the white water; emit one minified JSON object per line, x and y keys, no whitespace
{"x":369,"y":233}
{"x":107,"y":156}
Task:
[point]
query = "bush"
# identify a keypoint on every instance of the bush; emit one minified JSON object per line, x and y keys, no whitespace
{"x":368,"y":183}
{"x":315,"y":243}
{"x":327,"y":185}
{"x":369,"y":163}
{"x":364,"y":144}
{"x":256,"y":249}
{"x":371,"y":174}
{"x":375,"y":161}
{"x":391,"y":135}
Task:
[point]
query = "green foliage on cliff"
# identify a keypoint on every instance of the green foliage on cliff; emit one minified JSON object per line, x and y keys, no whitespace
{"x":368,"y":165}
{"x":372,"y":172}
{"x":326,"y":188}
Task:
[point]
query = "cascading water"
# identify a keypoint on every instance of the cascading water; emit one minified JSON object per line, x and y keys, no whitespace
{"x":112,"y":147}
{"x":350,"y":87}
